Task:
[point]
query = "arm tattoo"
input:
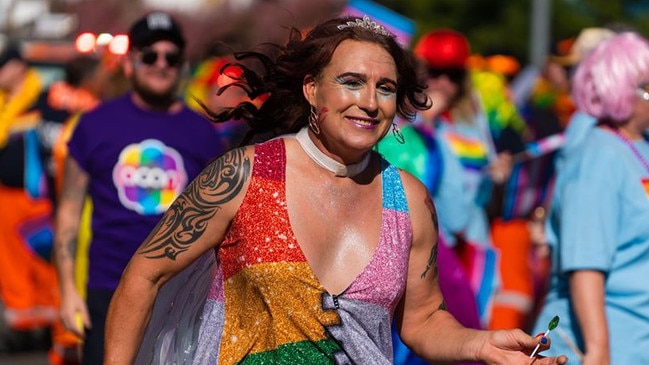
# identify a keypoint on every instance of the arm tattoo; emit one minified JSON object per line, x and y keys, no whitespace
{"x":70,"y":251}
{"x":66,"y":248}
{"x":187,"y":218}
{"x":432,"y":260}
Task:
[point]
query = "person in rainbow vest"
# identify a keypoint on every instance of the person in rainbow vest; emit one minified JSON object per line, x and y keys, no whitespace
{"x":27,"y":278}
{"x":460,"y":120}
{"x":28,"y":162}
{"x":59,"y":106}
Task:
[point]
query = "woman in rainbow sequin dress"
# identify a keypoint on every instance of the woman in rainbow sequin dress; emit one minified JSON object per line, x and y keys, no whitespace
{"x":311,"y":242}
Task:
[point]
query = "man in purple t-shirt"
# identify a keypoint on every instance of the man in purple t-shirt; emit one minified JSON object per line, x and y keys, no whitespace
{"x":132,"y":156}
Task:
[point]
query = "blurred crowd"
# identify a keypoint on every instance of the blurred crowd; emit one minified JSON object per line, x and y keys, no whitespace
{"x":489,"y":150}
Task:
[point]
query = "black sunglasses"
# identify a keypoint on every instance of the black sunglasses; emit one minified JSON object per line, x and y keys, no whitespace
{"x":150,"y":57}
{"x":456,"y":75}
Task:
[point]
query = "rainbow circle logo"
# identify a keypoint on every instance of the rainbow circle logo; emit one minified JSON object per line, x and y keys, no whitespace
{"x":148,"y":176}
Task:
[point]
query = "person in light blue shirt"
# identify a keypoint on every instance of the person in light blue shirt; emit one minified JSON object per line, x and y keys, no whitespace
{"x":599,"y":232}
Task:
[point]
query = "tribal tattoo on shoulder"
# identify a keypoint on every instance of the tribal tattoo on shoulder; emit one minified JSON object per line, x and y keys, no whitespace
{"x":432,"y":260}
{"x":187,"y":218}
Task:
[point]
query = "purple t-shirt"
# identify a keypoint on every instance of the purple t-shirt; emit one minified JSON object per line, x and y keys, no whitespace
{"x":138,"y":162}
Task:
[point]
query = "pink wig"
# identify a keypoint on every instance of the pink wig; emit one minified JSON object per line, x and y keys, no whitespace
{"x":605,"y":82}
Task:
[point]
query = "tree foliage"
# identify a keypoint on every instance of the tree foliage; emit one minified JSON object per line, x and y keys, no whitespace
{"x":504,"y":26}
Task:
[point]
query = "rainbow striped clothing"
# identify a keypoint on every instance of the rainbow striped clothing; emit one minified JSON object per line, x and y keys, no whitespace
{"x":265,"y":304}
{"x":471,"y":152}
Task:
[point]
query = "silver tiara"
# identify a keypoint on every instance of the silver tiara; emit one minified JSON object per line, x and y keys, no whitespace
{"x":368,"y":24}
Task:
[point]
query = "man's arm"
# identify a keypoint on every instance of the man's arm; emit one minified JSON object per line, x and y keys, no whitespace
{"x":68,"y":216}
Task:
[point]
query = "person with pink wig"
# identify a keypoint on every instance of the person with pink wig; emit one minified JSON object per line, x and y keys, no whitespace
{"x":600,"y":236}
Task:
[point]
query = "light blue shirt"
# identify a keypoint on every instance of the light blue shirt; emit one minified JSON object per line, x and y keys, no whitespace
{"x":578,"y":127}
{"x":599,"y":220}
{"x":450,"y":199}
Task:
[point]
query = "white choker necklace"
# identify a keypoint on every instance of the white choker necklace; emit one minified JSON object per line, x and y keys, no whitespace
{"x":327,"y":162}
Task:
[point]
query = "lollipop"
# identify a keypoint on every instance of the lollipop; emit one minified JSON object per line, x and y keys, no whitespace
{"x":552,"y":325}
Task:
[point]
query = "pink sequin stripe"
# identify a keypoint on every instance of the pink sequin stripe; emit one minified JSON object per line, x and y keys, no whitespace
{"x":388,"y":268}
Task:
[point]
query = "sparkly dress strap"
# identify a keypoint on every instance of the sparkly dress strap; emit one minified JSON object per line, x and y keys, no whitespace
{"x":270,"y":160}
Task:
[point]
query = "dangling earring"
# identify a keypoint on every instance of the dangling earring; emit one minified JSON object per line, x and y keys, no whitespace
{"x":397,"y":134}
{"x":313,"y":121}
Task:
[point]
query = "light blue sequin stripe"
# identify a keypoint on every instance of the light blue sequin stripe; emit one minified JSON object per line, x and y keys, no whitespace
{"x":394,"y":197}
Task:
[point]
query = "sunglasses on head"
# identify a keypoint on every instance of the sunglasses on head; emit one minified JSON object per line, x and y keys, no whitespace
{"x":150,"y":57}
{"x":456,"y":75}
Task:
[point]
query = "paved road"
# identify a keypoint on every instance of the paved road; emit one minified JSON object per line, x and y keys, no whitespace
{"x":33,"y":358}
{"x":22,"y":348}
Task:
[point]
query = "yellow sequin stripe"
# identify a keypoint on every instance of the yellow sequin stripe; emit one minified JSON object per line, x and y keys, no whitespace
{"x":268,"y":290}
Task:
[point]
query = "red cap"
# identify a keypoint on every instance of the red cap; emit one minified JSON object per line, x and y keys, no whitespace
{"x":443,"y":48}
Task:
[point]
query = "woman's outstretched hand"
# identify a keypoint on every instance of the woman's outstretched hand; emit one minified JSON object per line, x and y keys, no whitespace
{"x":507,"y":347}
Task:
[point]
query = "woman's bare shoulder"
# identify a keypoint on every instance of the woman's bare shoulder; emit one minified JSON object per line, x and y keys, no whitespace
{"x":420,"y":204}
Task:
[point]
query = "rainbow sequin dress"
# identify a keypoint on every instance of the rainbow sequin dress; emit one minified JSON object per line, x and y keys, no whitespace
{"x":266,"y":306}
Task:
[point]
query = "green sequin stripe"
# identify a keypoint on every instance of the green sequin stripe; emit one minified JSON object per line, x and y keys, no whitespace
{"x":303,"y":352}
